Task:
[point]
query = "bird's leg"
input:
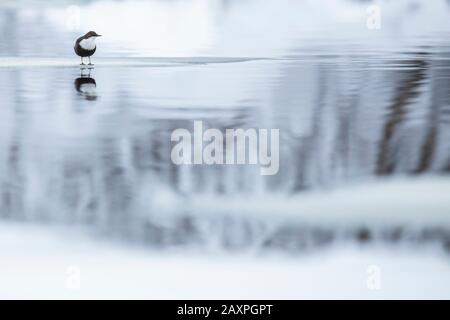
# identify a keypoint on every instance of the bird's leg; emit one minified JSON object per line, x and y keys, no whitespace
{"x":90,"y":61}
{"x":81,"y":64}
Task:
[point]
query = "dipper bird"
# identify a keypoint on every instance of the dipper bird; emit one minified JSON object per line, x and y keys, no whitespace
{"x":85,"y":46}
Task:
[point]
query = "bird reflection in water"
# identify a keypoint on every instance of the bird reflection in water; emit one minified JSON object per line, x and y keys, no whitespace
{"x":86,"y":85}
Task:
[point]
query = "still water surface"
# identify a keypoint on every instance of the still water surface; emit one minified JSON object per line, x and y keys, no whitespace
{"x":92,"y":147}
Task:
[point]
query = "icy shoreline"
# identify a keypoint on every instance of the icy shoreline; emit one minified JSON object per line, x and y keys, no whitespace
{"x":52,"y":62}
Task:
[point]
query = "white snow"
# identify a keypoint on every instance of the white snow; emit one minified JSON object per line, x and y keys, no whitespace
{"x":421,"y":201}
{"x":41,"y":262}
{"x":36,"y":260}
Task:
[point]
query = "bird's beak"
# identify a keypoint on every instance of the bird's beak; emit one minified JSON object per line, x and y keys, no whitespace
{"x":99,"y":35}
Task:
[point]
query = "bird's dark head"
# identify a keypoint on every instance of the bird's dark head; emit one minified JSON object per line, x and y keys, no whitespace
{"x":91,"y":34}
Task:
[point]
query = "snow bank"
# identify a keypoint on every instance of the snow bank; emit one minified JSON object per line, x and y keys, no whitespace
{"x":42,"y":262}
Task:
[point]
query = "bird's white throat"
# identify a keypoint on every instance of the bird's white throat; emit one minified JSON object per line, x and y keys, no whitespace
{"x":88,"y":44}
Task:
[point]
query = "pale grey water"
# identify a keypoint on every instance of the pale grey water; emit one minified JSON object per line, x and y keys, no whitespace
{"x":349,"y":112}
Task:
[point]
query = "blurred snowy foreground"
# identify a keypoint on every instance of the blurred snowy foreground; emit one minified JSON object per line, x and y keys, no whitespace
{"x":49,"y":261}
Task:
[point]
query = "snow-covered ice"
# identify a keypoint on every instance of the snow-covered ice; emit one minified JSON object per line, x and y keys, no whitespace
{"x":38,"y":262}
